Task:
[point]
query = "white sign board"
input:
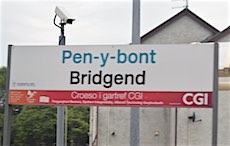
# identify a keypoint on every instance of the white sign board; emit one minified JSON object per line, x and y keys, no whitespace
{"x":133,"y":75}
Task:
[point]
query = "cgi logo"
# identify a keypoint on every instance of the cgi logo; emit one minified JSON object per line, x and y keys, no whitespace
{"x":195,"y":98}
{"x":135,"y":95}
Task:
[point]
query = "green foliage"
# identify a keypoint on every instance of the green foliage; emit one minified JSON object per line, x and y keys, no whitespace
{"x":3,"y":78}
{"x":2,"y":96}
{"x":2,"y":83}
{"x":78,"y":125}
{"x":35,"y":125}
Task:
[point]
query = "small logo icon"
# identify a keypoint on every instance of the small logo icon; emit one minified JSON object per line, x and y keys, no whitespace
{"x":31,"y":94}
{"x":44,"y":99}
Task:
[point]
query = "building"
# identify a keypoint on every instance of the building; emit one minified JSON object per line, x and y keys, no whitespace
{"x":110,"y":126}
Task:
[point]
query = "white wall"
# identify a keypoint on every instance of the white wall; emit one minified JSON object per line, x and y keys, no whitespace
{"x":225,"y":38}
{"x":224,"y":119}
{"x":113,"y":119}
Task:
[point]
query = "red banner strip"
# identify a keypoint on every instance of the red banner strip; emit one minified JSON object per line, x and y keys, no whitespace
{"x":111,"y":98}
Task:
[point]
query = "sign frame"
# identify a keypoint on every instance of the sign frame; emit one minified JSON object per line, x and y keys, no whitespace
{"x":156,"y":103}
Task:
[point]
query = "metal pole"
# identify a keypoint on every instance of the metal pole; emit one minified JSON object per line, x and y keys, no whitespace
{"x":62,"y":36}
{"x":186,"y":5}
{"x":7,"y":124}
{"x":176,"y":116}
{"x":7,"y":108}
{"x":215,"y":98}
{"x":134,"y":113}
{"x":60,"y":109}
{"x":136,"y":22}
{"x":66,"y":125}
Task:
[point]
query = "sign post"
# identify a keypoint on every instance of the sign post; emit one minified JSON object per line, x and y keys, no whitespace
{"x":8,"y":109}
{"x":215,"y":98}
{"x":135,"y":111}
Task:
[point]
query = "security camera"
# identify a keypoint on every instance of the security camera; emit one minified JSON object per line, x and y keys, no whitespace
{"x":64,"y":15}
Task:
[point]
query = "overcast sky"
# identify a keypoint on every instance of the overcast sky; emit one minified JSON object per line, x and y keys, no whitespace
{"x":30,"y":22}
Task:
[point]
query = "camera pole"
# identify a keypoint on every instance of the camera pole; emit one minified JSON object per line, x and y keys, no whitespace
{"x":61,"y":109}
{"x":60,"y":131}
{"x":62,"y":36}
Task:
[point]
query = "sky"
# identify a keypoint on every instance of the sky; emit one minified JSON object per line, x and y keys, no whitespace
{"x":98,"y":22}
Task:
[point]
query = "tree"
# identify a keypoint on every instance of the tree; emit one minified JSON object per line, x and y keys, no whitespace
{"x":2,"y":97}
{"x":3,"y":78}
{"x":78,"y":125}
{"x":2,"y":83}
{"x":35,"y":125}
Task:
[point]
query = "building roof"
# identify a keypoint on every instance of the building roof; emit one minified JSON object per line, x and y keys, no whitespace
{"x":184,"y":12}
{"x":218,"y":36}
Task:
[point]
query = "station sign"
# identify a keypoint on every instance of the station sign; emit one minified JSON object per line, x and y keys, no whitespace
{"x":127,"y":75}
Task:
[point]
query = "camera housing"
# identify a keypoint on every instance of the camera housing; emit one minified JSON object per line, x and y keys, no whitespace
{"x":64,"y":15}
